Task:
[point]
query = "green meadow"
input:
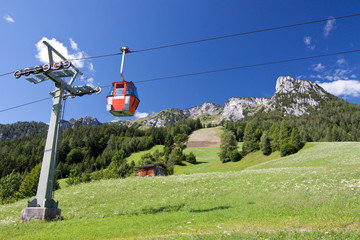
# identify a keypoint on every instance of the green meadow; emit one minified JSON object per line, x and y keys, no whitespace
{"x":314,"y":194}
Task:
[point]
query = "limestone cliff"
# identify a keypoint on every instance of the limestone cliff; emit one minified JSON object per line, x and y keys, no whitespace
{"x":291,"y":96}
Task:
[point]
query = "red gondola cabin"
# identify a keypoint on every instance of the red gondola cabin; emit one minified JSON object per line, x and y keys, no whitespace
{"x":123,"y":99}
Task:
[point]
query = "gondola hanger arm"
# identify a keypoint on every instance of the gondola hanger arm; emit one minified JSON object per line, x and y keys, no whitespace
{"x":123,"y":50}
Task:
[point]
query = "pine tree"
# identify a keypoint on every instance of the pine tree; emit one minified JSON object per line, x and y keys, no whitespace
{"x":295,"y":138}
{"x":118,"y":166}
{"x":274,"y":135}
{"x":329,"y":136}
{"x":228,"y":144}
{"x":176,"y":156}
{"x":180,"y":139}
{"x":285,"y":133}
{"x":265,"y":144}
{"x":250,"y":139}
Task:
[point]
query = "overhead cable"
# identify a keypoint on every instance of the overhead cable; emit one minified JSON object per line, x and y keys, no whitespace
{"x":4,"y":74}
{"x":7,"y":109}
{"x":212,"y":71}
{"x":226,"y":36}
{"x":210,"y":39}
{"x":244,"y":66}
{"x":247,"y":33}
{"x":248,"y":66}
{"x":99,"y":56}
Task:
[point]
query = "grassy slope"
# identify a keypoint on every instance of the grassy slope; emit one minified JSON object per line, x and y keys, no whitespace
{"x":313,"y":194}
{"x":208,"y":161}
{"x":137,"y":156}
{"x":206,"y":134}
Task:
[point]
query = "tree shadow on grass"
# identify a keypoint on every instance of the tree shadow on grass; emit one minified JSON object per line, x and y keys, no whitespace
{"x":169,"y":208}
{"x":210,"y":209}
{"x":181,"y":164}
{"x":199,"y":163}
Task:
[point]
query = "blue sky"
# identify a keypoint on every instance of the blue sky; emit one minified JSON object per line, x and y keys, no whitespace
{"x":91,"y":28}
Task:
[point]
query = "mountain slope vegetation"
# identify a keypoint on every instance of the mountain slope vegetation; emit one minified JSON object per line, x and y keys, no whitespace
{"x":312,"y":194}
{"x":86,"y":152}
{"x":20,"y":129}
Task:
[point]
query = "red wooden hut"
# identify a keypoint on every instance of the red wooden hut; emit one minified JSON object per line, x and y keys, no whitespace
{"x":152,"y":170}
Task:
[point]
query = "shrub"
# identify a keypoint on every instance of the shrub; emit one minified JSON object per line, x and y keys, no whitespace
{"x":235,"y":156}
{"x":9,"y":185}
{"x":190,"y":158}
{"x":30,"y":182}
{"x":97,"y":175}
{"x":287,"y":149}
{"x":176,"y":156}
{"x":118,"y":166}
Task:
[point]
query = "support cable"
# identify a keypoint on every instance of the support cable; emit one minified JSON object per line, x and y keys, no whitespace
{"x":212,"y":38}
{"x":247,"y":33}
{"x":247,"y":66}
{"x":211,"y":71}
{"x":25,"y":104}
{"x":4,"y":74}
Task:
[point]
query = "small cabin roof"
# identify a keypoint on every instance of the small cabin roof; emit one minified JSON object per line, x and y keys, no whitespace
{"x":151,"y":165}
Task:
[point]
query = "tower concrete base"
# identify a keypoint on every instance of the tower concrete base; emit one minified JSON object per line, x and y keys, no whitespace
{"x":40,"y":213}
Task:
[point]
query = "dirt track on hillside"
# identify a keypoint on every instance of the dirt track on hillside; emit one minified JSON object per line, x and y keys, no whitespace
{"x":207,"y":137}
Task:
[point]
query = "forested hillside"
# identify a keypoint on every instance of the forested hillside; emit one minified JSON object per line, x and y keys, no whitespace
{"x":19,"y":129}
{"x":95,"y":152}
{"x":311,"y":195}
{"x":336,"y":120}
{"x":83,"y":151}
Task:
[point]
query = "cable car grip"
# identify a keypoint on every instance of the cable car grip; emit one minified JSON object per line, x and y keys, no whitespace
{"x":123,"y":50}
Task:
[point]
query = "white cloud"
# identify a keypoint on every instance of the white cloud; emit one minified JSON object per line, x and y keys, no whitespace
{"x":338,"y":71}
{"x":334,"y":75}
{"x":141,"y":115}
{"x":8,"y":18}
{"x":43,"y":56}
{"x":74,"y":45}
{"x":329,"y":26}
{"x":87,"y":79}
{"x":341,"y":61}
{"x":91,"y":67}
{"x":300,"y":77}
{"x":307,"y":41}
{"x":317,"y":76}
{"x":90,"y":82}
{"x":318,"y":67}
{"x":341,"y":74}
{"x":343,"y":87}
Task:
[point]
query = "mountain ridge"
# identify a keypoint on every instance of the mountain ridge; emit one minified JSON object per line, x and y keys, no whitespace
{"x":292,"y":96}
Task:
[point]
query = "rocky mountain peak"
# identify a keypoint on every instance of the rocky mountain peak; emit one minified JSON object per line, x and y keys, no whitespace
{"x":296,"y":97}
{"x":73,"y":123}
{"x":163,"y":118}
{"x":237,"y":107}
{"x":292,"y":96}
{"x":291,"y":85}
{"x":205,"y":108}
